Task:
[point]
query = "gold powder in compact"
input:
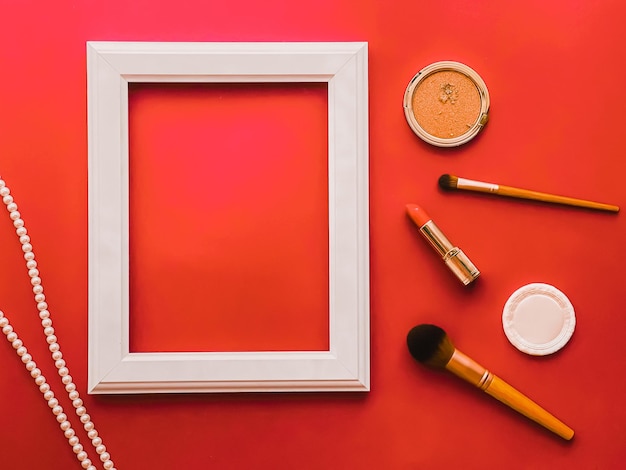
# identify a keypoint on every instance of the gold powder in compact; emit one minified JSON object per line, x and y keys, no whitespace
{"x":446,"y":104}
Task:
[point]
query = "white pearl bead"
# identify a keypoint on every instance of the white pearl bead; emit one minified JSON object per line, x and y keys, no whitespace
{"x":104,"y":456}
{"x":63,"y":371}
{"x":69,"y":433}
{"x":12,"y":207}
{"x":17,"y":343}
{"x":52,"y":402}
{"x":21,"y":351}
{"x":35,"y":373}
{"x":51,"y":339}
{"x":30,"y":365}
{"x":2,"y":183}
{"x":48,"y":331}
{"x":56,"y":355}
{"x":44,"y":314}
{"x":73,"y":441}
{"x":101,"y":449}
{"x":35,"y":281}
{"x":7,"y":329}
{"x":86,"y":464}
{"x":73,"y":395}
{"x":29,"y":256}
{"x":41,"y":306}
{"x":108,"y":465}
{"x":49,"y":395}
{"x":8,"y":199}
{"x":27,"y":247}
{"x":88,"y":426}
{"x":67,"y":380}
{"x":92,"y":434}
{"x":78,"y":448}
{"x":85,"y":418}
{"x":54,"y":347}
{"x":34,"y":272}
{"x":26,"y":358}
{"x":37,"y":289}
{"x":40,"y":380}
{"x":44,"y":388}
{"x":96,"y":441}
{"x":62,"y":417}
{"x":20,"y":232}
{"x":17,"y":221}
{"x":4,"y":322}
{"x":39,"y":298}
{"x":12,"y":337}
{"x":46,"y":322}
{"x":81,"y":410}
{"x":65,"y":426}
{"x":77,"y":403}
{"x":24,"y":239}
{"x":4,"y":191}
{"x":57,"y":410}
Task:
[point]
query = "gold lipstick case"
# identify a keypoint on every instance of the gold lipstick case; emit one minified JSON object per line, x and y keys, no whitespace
{"x":453,"y":256}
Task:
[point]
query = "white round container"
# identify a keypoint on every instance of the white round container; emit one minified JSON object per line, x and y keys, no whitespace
{"x":538,"y":319}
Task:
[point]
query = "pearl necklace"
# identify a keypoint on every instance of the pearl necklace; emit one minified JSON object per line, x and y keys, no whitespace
{"x":55,"y":349}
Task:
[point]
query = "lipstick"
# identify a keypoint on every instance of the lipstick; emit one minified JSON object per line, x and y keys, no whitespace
{"x":453,"y":256}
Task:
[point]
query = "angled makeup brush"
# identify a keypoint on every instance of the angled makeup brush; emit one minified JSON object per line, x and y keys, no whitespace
{"x":430,"y":345}
{"x":454,"y":182}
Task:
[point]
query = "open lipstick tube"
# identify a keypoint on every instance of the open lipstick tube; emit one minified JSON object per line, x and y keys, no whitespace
{"x":457,"y":261}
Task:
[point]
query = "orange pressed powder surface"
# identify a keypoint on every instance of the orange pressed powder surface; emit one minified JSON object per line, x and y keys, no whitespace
{"x":446,"y":104}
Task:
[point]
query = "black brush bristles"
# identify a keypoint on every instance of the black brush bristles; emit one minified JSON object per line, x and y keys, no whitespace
{"x":430,"y":345}
{"x":448,"y":181}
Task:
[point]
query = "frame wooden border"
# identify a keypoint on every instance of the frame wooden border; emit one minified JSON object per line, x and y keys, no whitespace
{"x":345,"y":366}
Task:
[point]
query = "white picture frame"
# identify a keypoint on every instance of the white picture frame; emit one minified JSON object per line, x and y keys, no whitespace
{"x":112,"y":368}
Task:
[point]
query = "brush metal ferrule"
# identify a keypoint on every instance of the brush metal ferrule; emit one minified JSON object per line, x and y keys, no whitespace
{"x":455,"y":259}
{"x":469,"y":370}
{"x":486,"y":380}
{"x":472,"y":185}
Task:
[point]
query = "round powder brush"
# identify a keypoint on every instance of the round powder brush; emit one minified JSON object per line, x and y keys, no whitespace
{"x":430,"y":345}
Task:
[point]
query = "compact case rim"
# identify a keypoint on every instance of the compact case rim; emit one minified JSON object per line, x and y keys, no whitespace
{"x":483,"y":92}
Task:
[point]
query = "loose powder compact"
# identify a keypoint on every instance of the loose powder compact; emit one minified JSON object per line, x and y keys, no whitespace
{"x":446,"y":104}
{"x":538,"y":319}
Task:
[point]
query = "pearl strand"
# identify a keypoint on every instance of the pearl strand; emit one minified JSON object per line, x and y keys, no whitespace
{"x":45,"y":389}
{"x":55,"y":349}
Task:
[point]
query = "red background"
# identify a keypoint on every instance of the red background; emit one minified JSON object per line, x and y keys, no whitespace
{"x":229,"y":217}
{"x":554,"y":72}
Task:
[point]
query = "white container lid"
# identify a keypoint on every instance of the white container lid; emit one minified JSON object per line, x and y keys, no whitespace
{"x":538,"y":319}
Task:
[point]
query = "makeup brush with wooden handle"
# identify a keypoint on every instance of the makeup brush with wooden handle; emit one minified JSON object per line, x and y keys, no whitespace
{"x":430,"y":345}
{"x":454,"y":182}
